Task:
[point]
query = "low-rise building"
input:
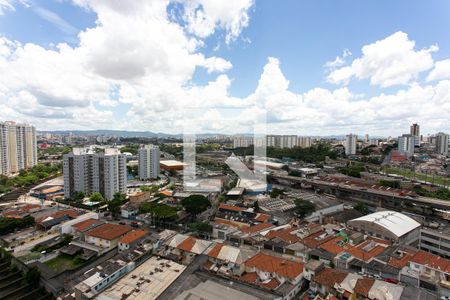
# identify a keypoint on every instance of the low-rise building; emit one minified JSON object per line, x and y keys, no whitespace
{"x":106,"y":235}
{"x":131,"y":239}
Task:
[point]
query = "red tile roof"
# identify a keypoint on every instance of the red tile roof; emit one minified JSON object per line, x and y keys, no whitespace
{"x":363,"y":286}
{"x":432,"y":261}
{"x":109,"y":231}
{"x":230,"y":207}
{"x":214,"y":252}
{"x":403,"y":261}
{"x":262,"y":217}
{"x":272,"y":264}
{"x":329,"y":277}
{"x":187,"y":244}
{"x":257,"y":228}
{"x":312,"y":242}
{"x":73,"y":214}
{"x":82,"y":226}
{"x":132,"y":236}
{"x":253,"y":278}
{"x":284,"y":234}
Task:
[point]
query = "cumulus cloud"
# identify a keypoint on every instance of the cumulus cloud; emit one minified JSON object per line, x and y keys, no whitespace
{"x":441,"y":70}
{"x":6,"y":5}
{"x":339,"y":60}
{"x":205,"y":16}
{"x":388,"y":62}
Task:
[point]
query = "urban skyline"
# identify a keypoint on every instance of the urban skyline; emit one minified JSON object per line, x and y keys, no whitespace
{"x":218,"y":61}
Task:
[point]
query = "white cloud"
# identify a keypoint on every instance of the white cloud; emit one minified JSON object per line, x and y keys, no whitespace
{"x":339,"y":60}
{"x":441,"y":70}
{"x":56,"y":20}
{"x":216,"y":64}
{"x":204,"y":16}
{"x":6,"y":5}
{"x":388,"y":62}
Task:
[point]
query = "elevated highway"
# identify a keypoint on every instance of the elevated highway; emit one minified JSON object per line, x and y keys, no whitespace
{"x":368,"y":195}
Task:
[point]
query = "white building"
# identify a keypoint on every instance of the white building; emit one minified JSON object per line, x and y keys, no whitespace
{"x":406,"y":144}
{"x":242,"y":141}
{"x":89,"y":172}
{"x":389,"y":225}
{"x":304,"y":142}
{"x":350,"y":144}
{"x":148,"y":157}
{"x":18,"y":148}
{"x":442,"y":143}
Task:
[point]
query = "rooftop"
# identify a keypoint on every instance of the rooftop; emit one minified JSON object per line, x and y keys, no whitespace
{"x":87,"y":224}
{"x":272,"y":264}
{"x":132,"y":236}
{"x":395,"y":222}
{"x":109,"y":231}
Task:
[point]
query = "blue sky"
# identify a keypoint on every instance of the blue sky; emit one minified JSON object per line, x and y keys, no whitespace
{"x":240,"y":37}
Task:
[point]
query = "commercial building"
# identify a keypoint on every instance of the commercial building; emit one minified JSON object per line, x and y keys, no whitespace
{"x":213,"y":291}
{"x":350,"y":144}
{"x":172,"y":165}
{"x":436,"y":242}
{"x":442,"y":143}
{"x":148,"y":157}
{"x":389,"y":225}
{"x":18,"y":148}
{"x":89,"y":172}
{"x":406,"y":144}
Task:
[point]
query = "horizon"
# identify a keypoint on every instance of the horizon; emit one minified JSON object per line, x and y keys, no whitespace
{"x":89,"y":65}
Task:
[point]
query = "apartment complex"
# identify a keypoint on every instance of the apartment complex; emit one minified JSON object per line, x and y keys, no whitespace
{"x":18,"y":148}
{"x":442,"y":143}
{"x":148,"y":157}
{"x":406,"y":144}
{"x":350,"y":144}
{"x":277,"y":141}
{"x":88,"y":172}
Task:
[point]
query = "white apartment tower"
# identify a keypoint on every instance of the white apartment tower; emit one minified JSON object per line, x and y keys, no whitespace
{"x":148,"y":157}
{"x":406,"y":144}
{"x":442,"y":143}
{"x":350,"y":144}
{"x":89,"y":172}
{"x":18,"y":147}
{"x":304,"y":142}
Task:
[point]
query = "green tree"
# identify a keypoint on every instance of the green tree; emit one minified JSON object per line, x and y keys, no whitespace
{"x":304,"y":207}
{"x":276,"y":192}
{"x":114,"y":205}
{"x":78,"y":196}
{"x":96,"y":197}
{"x":33,"y":276}
{"x":195,"y":204}
{"x":200,"y":227}
{"x":362,"y":208}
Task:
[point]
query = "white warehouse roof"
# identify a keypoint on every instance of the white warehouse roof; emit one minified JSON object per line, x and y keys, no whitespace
{"x":397,"y":223}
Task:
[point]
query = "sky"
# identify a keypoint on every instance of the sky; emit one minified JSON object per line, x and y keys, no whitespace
{"x":299,"y":67}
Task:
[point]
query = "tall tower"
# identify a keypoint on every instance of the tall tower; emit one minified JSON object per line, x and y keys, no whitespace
{"x":415,"y":132}
{"x":18,"y":147}
{"x":350,"y":144}
{"x":148,"y":157}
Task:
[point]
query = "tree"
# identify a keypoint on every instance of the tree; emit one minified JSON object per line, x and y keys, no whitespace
{"x":114,"y":205}
{"x":78,"y":197}
{"x":362,"y":208}
{"x":201,"y":227}
{"x":276,"y":192}
{"x":304,"y":207}
{"x":33,"y":276}
{"x":96,"y":197}
{"x":195,"y":204}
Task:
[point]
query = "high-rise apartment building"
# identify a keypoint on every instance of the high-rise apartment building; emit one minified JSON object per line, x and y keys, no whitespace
{"x":89,"y":172}
{"x":148,"y":157}
{"x":442,"y":143}
{"x":406,"y":144}
{"x":18,"y":147}
{"x":245,"y":141}
{"x":304,"y":141}
{"x":350,"y":144}
{"x":415,"y":131}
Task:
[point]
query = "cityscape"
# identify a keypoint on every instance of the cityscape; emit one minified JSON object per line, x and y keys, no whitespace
{"x":127,"y":173}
